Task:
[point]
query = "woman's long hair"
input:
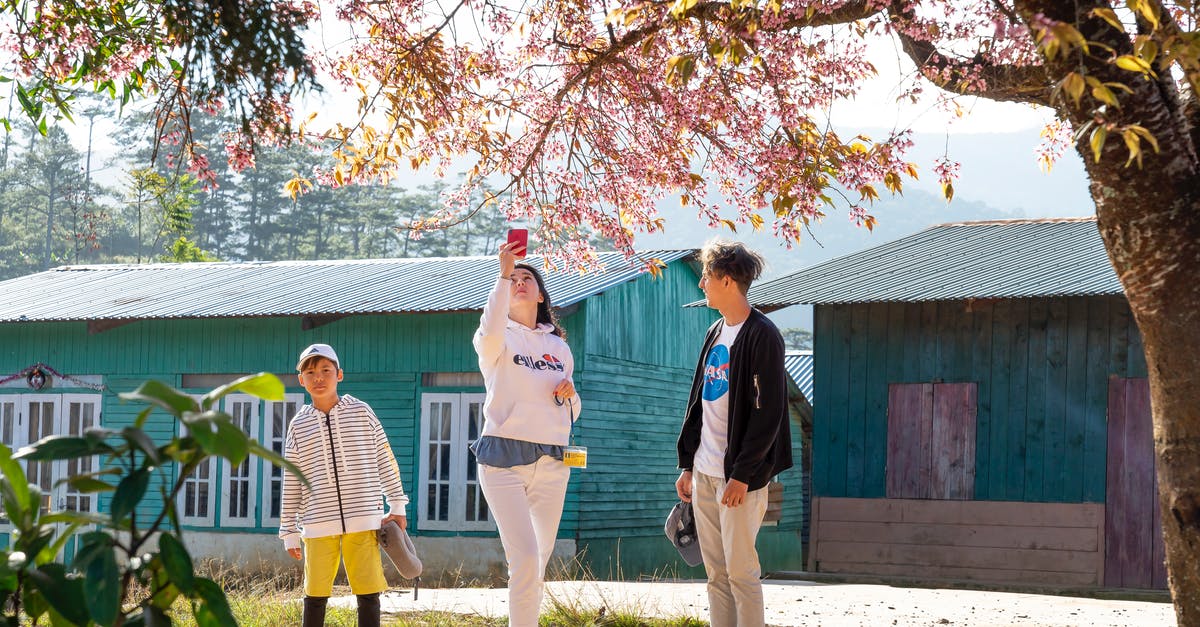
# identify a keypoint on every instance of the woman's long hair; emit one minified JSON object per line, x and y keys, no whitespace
{"x":545,"y":314}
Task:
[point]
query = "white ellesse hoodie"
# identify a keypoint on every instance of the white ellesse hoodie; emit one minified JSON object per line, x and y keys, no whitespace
{"x":521,"y":367}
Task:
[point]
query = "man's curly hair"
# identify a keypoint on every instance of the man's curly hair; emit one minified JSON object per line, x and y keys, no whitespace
{"x":723,"y":258}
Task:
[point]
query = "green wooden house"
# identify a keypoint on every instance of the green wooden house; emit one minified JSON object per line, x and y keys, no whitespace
{"x":403,"y":329}
{"x":984,"y":412}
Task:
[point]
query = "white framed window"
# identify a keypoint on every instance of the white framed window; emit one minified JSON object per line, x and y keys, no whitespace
{"x":27,"y":418}
{"x":278,"y":417}
{"x":238,"y":506}
{"x":80,"y":412}
{"x":8,"y":421}
{"x":9,"y":432}
{"x":40,"y":412}
{"x":196,"y":501}
{"x":449,"y":496}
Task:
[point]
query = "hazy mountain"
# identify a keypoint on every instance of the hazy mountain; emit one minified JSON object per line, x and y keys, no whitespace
{"x":999,"y":179}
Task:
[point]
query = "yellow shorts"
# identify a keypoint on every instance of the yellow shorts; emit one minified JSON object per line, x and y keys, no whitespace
{"x":359,"y":550}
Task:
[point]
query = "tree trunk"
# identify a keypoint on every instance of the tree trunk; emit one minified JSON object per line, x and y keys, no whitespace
{"x":1150,"y":221}
{"x":53,"y":187}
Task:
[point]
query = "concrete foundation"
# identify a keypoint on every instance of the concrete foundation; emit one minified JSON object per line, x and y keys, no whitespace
{"x":446,"y":560}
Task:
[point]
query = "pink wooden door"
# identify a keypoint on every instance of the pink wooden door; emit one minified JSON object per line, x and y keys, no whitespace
{"x":931,"y":441}
{"x":1133,"y":551}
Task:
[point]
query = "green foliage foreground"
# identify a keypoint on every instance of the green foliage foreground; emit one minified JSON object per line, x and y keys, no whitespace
{"x":124,"y":572}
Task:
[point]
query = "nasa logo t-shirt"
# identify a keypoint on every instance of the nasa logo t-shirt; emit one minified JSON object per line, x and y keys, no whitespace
{"x":714,"y":400}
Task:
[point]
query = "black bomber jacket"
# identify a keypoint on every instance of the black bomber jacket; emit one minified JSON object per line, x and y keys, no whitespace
{"x":759,"y":441}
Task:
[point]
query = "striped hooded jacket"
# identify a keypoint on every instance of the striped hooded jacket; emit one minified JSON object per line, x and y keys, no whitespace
{"x":349,"y":465}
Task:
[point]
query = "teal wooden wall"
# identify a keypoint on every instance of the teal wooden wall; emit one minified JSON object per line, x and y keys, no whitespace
{"x":382,"y":356}
{"x":1042,"y":368}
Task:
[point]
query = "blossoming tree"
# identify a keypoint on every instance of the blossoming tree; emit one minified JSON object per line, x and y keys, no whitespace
{"x":591,"y":113}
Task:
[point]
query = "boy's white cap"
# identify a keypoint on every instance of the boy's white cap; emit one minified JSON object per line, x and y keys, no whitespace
{"x":318,"y":350}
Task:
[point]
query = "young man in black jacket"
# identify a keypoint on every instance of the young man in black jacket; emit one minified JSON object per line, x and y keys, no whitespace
{"x":735,"y":434}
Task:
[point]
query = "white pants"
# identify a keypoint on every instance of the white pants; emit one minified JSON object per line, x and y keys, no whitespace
{"x":527,"y":503}
{"x":727,"y":534}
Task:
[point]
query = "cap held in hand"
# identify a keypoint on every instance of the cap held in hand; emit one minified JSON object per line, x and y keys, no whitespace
{"x":400,"y":549}
{"x":681,"y":530}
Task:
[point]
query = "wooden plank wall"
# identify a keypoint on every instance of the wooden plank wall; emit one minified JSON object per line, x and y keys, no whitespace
{"x":1031,"y":543}
{"x":645,"y":320}
{"x":1041,"y":366}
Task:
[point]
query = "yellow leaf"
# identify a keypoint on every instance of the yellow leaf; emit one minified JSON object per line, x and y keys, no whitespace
{"x":338,"y":177}
{"x":729,"y":224}
{"x":1099,"y":134}
{"x":1074,"y":85}
{"x":892,"y":181}
{"x":1134,"y":144}
{"x":756,"y":221}
{"x":680,"y":68}
{"x":1105,"y":95}
{"x":297,"y":186}
{"x":1146,"y":135}
{"x":1148,"y":11}
{"x":1110,"y":16}
{"x":1148,"y":50}
{"x":681,"y":7}
{"x":948,"y":191}
{"x":1133,"y":64}
{"x":868,"y":193}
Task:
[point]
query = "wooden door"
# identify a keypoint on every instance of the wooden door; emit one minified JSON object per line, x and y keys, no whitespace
{"x":931,"y":441}
{"x":1133,"y":551}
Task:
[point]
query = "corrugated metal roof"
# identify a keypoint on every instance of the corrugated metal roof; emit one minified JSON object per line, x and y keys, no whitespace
{"x":799,"y":366}
{"x":993,"y":259}
{"x":286,"y":288}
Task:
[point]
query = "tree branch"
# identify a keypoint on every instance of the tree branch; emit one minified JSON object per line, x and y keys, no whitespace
{"x":845,"y":14}
{"x":1170,"y":36}
{"x":1009,"y":83}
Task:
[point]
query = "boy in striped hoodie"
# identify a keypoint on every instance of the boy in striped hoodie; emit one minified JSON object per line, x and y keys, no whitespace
{"x":339,"y":445}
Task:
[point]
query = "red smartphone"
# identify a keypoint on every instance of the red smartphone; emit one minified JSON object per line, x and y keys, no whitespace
{"x":521,"y":237}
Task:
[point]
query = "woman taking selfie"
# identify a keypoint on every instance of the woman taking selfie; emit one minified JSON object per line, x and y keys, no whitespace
{"x":531,"y":402}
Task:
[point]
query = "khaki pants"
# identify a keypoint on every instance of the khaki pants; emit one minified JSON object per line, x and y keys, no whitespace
{"x":735,"y":597}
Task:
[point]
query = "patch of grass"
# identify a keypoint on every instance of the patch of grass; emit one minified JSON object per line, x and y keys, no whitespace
{"x":577,"y":613}
{"x":267,"y":597}
{"x":442,"y":619}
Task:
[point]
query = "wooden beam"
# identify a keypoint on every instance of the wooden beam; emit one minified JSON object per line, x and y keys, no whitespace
{"x":309,"y":323}
{"x":100,"y":326}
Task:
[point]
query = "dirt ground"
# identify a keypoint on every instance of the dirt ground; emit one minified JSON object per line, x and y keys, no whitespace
{"x":812,"y":603}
